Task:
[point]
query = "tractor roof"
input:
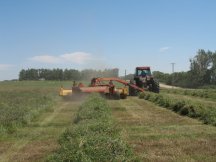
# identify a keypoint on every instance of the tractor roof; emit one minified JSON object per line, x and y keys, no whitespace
{"x":143,"y":68}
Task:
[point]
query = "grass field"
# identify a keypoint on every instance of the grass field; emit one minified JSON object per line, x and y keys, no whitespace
{"x":154,"y":133}
{"x":158,"y":134}
{"x":35,"y":140}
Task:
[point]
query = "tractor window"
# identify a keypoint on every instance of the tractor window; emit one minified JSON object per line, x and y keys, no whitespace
{"x":143,"y":72}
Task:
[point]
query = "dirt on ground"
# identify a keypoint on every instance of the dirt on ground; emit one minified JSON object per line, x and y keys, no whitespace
{"x":168,"y":86}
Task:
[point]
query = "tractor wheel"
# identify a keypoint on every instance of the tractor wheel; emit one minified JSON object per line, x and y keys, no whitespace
{"x":155,"y":86}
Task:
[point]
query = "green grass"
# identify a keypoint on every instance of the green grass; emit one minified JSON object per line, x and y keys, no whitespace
{"x":192,"y":108}
{"x":152,"y":133}
{"x":44,"y":86}
{"x":202,"y":93}
{"x":158,"y":134}
{"x":20,"y":107}
{"x":94,"y":137}
{"x":40,"y":117}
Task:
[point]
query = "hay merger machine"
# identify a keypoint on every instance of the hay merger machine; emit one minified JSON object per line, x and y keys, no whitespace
{"x":143,"y":80}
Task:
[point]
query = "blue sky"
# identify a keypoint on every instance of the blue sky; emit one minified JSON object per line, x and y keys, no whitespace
{"x":103,"y":34}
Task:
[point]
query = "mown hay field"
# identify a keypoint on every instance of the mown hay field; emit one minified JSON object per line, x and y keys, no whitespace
{"x":38,"y":125}
{"x":159,"y":134}
{"x":32,"y":118}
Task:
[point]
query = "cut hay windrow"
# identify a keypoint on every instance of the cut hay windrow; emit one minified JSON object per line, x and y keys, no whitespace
{"x":93,"y":136}
{"x":194,"y":109}
{"x":202,"y":93}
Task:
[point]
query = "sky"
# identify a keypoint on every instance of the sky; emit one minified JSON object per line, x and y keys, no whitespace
{"x":98,"y":34}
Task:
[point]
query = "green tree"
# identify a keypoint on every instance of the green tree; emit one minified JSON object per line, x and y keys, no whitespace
{"x":163,"y":77}
{"x":22,"y":75}
{"x":200,"y":67}
{"x":213,"y":69}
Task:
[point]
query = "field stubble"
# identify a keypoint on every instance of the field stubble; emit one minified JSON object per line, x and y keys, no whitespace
{"x":155,"y":133}
{"x":158,"y":134}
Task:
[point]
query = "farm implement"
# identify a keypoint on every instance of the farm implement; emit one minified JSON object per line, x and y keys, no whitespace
{"x":143,"y":80}
{"x":104,"y":86}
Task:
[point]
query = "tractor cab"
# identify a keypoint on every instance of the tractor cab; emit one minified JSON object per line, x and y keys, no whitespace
{"x":143,"y":71}
{"x":143,"y":78}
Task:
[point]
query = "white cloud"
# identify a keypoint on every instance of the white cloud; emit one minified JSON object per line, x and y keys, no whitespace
{"x":75,"y":57}
{"x":163,"y":49}
{"x":5,"y":66}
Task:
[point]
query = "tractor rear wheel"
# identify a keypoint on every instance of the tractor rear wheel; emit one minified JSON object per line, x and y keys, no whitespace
{"x":155,"y":86}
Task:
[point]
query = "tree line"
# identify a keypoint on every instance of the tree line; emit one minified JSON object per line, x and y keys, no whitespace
{"x":66,"y":74}
{"x":202,"y":72}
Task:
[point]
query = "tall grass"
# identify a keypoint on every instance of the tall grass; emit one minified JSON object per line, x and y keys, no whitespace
{"x":194,"y":109}
{"x":19,"y":107}
{"x":93,"y":136}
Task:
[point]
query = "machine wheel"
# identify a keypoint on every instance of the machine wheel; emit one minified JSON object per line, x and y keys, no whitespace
{"x":116,"y":96}
{"x":123,"y":96}
{"x":132,"y":91}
